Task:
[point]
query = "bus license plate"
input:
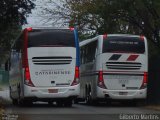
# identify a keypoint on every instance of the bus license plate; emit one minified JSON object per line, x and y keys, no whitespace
{"x":52,"y":90}
{"x":123,"y":81}
{"x":123,"y":93}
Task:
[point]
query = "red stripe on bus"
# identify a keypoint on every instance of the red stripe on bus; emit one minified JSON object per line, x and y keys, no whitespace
{"x":132,"y":57}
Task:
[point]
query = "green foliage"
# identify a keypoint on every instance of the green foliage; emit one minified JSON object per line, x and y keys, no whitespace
{"x":94,"y":17}
{"x":113,"y":16}
{"x":12,"y":16}
{"x":13,"y":11}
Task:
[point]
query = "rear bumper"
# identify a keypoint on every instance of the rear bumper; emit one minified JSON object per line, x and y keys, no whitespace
{"x":115,"y":94}
{"x":43,"y":93}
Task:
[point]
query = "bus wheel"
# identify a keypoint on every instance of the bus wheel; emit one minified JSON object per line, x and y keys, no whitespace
{"x":76,"y":101}
{"x":95,"y":102}
{"x":89,"y":98}
{"x":20,"y":102}
{"x":68,"y":103}
{"x":142,"y":102}
{"x":59,"y":103}
{"x":50,"y":103}
{"x":14,"y":101}
{"x":25,"y":103}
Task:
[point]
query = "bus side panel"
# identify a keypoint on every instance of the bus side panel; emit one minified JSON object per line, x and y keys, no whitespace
{"x":16,"y":77}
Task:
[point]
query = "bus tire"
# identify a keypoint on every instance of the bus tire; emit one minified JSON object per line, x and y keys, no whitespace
{"x":76,"y":101}
{"x":20,"y":102}
{"x":68,"y":103}
{"x":59,"y":103}
{"x":142,"y":102}
{"x":14,"y":101}
{"x":89,"y":97}
{"x":50,"y":103}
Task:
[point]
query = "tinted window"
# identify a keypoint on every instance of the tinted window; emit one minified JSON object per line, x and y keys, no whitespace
{"x":38,"y":38}
{"x":88,"y":52}
{"x":123,"y":44}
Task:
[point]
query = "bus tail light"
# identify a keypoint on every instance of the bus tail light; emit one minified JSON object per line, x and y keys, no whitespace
{"x":28,"y":78}
{"x":76,"y":77}
{"x":104,"y":36}
{"x":145,"y":81}
{"x":29,"y":29}
{"x":25,"y":65}
{"x":141,"y":37}
{"x":101,"y":80}
{"x":71,"y":28}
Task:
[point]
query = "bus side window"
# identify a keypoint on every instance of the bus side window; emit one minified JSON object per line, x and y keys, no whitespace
{"x":91,"y":51}
{"x":82,"y":55}
{"x":95,"y":53}
{"x":85,"y":55}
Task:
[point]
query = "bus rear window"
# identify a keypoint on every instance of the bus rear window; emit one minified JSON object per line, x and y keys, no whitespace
{"x":57,"y":38}
{"x":123,"y":44}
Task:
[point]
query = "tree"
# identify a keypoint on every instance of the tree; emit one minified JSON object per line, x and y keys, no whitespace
{"x":12,"y":16}
{"x":112,"y":16}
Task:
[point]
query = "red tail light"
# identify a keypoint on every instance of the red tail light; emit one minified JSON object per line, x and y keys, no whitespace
{"x":145,"y":78}
{"x":28,"y":78}
{"x":141,"y":37}
{"x":71,"y":28}
{"x":29,"y":29}
{"x":145,"y":81}
{"x":27,"y":74}
{"x":104,"y":36}
{"x":24,"y":53}
{"x":25,"y":65}
{"x":101,"y":80}
{"x":76,"y":77}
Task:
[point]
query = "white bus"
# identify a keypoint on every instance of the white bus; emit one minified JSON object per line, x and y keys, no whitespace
{"x":113,"y":67}
{"x":44,"y":66}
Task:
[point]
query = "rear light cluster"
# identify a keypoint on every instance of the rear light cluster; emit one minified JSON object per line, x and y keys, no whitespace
{"x":145,"y":81}
{"x":101,"y":80}
{"x":27,"y":78}
{"x":104,"y":36}
{"x":76,"y":77}
{"x":141,"y":37}
{"x":29,"y":29}
{"x":71,"y":28}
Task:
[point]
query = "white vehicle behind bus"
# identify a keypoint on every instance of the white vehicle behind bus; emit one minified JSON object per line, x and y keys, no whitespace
{"x":45,"y":66}
{"x":114,"y":67}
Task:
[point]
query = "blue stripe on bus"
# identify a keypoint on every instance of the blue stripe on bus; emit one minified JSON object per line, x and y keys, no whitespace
{"x":77,"y":48}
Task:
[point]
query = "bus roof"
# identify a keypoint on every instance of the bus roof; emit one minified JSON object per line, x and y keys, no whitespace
{"x":46,"y":27}
{"x":82,"y":43}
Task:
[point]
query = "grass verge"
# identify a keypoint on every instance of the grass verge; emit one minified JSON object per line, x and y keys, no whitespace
{"x":154,"y":107}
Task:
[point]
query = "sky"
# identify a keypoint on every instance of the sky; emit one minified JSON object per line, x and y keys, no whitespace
{"x":37,"y":18}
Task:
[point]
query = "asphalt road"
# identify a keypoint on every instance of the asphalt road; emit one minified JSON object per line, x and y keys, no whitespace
{"x":115,"y":111}
{"x":43,"y":111}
